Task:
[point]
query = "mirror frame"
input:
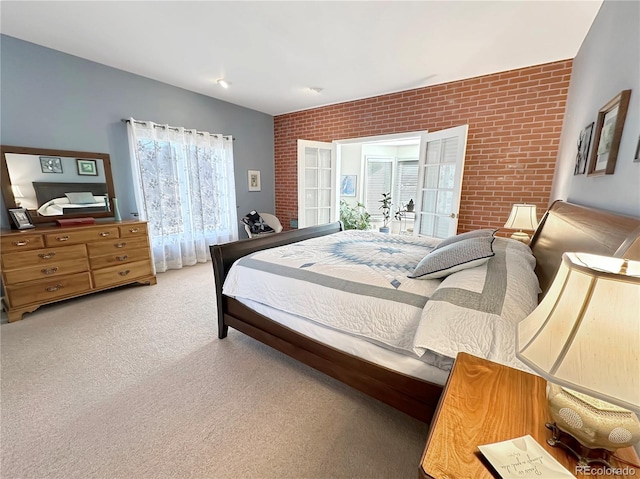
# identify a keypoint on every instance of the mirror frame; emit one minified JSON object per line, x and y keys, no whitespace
{"x":7,"y":193}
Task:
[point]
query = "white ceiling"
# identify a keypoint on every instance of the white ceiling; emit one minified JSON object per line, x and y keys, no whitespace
{"x":272,"y":52}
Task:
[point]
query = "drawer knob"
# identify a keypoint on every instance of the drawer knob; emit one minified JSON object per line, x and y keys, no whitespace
{"x":124,"y":273}
{"x":21,"y":243}
{"x":120,"y":245}
{"x":51,"y":289}
{"x":134,"y":230}
{"x":47,"y":255}
{"x":50,"y":270}
{"x":62,"y":238}
{"x":122,"y":258}
{"x":105,"y":234}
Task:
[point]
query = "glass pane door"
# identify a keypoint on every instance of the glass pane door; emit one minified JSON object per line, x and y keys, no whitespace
{"x":440,"y":182}
{"x":316,"y":183}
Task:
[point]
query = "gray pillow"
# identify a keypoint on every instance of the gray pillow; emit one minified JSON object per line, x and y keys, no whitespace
{"x":80,"y":198}
{"x":464,"y":236}
{"x":463,"y":254}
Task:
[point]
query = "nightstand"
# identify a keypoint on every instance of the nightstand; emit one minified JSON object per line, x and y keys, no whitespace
{"x":485,"y":402}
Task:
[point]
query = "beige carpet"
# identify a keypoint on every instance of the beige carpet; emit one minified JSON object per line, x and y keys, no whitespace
{"x":133,"y":383}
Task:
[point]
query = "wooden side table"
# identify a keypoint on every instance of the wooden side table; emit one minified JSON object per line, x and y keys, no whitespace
{"x":485,"y":402}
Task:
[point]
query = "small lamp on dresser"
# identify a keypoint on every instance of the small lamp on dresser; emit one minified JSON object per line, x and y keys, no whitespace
{"x":584,"y":338}
{"x":17,"y":194}
{"x":522,"y":217}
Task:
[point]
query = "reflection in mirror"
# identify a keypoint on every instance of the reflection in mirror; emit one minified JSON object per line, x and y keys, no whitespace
{"x":54,"y":184}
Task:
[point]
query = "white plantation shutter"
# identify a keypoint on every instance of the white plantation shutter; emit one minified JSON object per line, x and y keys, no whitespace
{"x":378,"y":181}
{"x":406,"y":185}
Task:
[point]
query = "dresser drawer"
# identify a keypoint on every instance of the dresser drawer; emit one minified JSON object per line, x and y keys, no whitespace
{"x":133,"y":230}
{"x":121,"y":274}
{"x":42,"y":256}
{"x":62,"y":237}
{"x":20,"y":242}
{"x":58,"y":268}
{"x":118,"y":246}
{"x":47,"y":290}
{"x":121,"y":257}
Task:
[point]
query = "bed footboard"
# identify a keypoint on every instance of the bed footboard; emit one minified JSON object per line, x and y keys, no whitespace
{"x":225,"y":254}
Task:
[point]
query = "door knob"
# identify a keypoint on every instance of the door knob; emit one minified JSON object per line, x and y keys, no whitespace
{"x":453,"y":215}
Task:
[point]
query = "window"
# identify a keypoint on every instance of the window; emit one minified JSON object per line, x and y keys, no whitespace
{"x":378,"y":180}
{"x":388,"y":174}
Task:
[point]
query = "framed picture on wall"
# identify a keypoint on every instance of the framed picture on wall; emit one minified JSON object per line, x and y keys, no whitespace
{"x":608,"y":133}
{"x":87,"y":167}
{"x":50,"y":164}
{"x":348,"y":185}
{"x":254,"y":180}
{"x":584,"y":142}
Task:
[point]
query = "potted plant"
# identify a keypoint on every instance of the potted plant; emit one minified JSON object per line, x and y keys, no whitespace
{"x":386,"y":212}
{"x":354,"y":217}
{"x":410,"y":205}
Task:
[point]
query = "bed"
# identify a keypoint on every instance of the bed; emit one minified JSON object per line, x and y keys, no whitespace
{"x":56,"y":199}
{"x":564,"y":227}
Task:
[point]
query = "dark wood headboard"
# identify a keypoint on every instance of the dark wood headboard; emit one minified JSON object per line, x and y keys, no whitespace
{"x":46,"y":191}
{"x":570,"y":227}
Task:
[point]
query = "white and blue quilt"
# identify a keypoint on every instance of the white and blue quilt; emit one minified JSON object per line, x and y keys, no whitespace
{"x":357,"y":282}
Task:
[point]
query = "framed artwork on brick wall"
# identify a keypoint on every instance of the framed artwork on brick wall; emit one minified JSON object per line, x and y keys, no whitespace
{"x":608,"y":133}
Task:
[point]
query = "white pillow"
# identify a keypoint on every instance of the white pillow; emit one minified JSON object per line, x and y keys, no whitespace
{"x":80,"y":198}
{"x":463,"y":254}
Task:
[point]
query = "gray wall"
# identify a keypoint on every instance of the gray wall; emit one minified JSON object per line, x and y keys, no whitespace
{"x":607,"y":63}
{"x":53,"y":100}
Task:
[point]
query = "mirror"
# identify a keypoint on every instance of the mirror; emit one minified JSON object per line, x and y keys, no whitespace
{"x":54,"y":184}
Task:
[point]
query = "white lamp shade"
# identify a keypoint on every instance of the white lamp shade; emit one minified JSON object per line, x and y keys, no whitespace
{"x":17,"y":192}
{"x":585,"y":334}
{"x":522,"y":217}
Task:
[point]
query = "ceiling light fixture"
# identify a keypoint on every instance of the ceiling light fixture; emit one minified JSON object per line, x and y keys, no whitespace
{"x":315,"y":89}
{"x":224,"y":83}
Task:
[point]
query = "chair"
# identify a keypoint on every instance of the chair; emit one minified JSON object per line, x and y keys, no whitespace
{"x":271,"y":220}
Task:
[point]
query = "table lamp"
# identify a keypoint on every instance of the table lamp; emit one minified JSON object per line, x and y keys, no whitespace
{"x":584,"y":338}
{"x":522,"y":217}
{"x":17,"y":194}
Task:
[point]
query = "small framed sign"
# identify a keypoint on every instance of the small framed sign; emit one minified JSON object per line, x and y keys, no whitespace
{"x":20,"y":218}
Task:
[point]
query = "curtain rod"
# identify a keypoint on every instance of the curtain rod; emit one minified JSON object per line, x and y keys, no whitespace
{"x":126,"y":120}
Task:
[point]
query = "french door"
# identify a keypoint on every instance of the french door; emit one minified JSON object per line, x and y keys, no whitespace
{"x":440,"y":182}
{"x":317,"y":183}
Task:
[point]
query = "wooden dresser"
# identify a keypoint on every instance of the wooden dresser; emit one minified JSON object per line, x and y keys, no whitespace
{"x":48,"y":264}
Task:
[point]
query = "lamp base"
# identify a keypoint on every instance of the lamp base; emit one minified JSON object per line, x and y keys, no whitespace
{"x":585,"y":455}
{"x":521,"y":236}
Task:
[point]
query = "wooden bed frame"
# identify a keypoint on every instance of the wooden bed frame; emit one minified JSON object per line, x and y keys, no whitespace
{"x":564,"y":227}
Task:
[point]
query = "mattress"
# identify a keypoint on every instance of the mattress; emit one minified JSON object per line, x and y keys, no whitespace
{"x":410,"y":365}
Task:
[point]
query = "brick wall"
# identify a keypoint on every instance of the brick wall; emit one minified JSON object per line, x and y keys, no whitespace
{"x":515,"y":118}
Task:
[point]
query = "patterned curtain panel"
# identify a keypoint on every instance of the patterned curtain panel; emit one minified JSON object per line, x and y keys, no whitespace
{"x":185,"y":189}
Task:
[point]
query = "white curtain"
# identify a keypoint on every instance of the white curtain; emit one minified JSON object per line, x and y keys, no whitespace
{"x":185,"y":189}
